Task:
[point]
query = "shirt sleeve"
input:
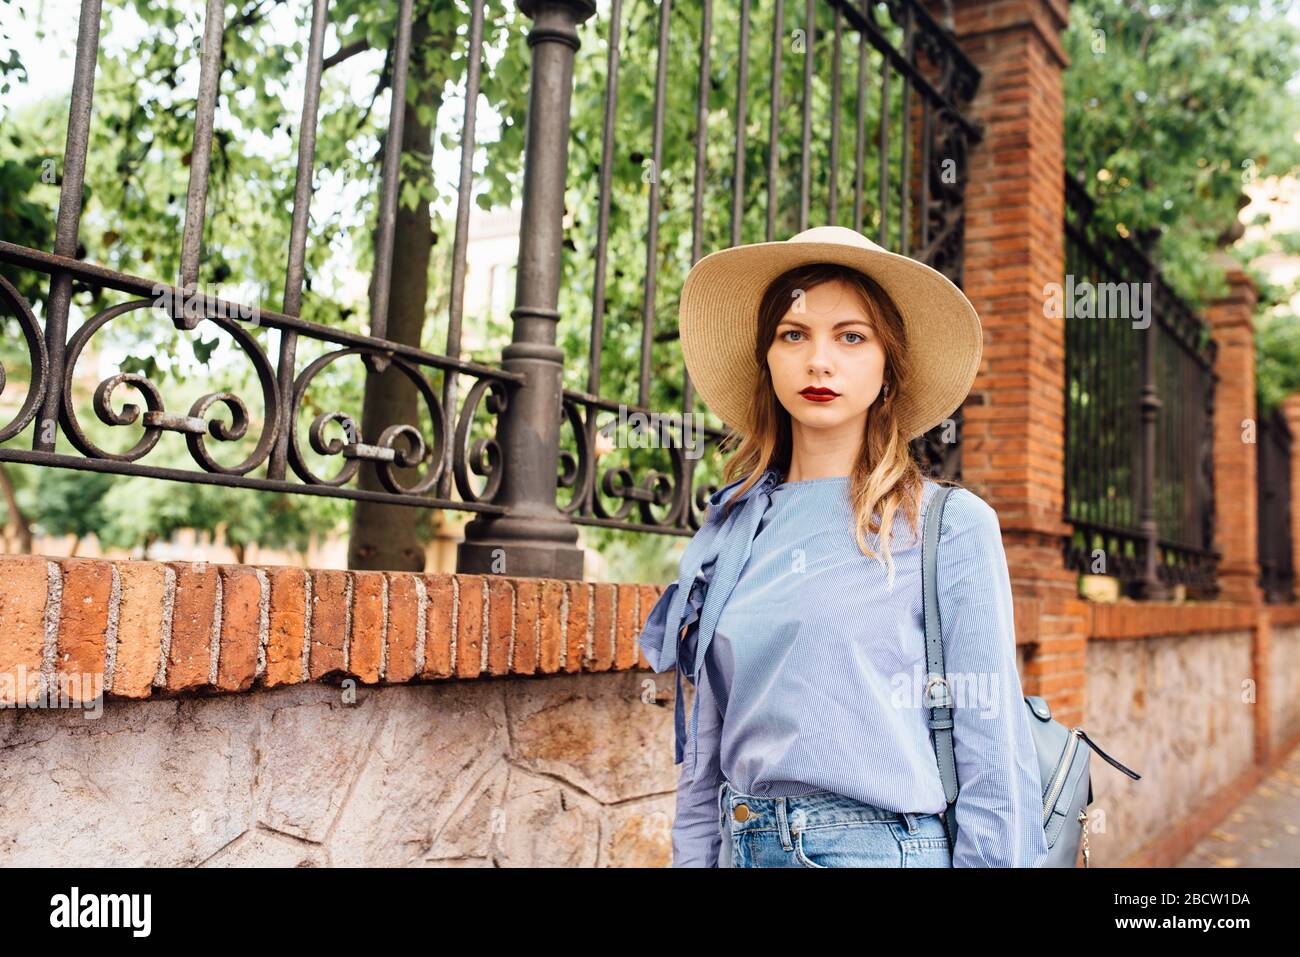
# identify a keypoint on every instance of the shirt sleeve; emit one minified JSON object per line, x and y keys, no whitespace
{"x":696,"y":835}
{"x":1000,"y":799}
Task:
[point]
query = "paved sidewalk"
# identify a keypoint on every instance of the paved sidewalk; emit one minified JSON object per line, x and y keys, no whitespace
{"x":1262,"y":831}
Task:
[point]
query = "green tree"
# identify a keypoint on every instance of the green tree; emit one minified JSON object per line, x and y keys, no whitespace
{"x":72,"y":503}
{"x":1164,"y":117}
{"x":1171,"y":109}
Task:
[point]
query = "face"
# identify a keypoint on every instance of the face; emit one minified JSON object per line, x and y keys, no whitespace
{"x":825,"y":341}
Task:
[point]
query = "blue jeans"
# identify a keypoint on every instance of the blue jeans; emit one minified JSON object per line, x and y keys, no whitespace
{"x":825,"y":829}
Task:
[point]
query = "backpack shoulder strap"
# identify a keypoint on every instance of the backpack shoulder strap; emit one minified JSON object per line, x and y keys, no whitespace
{"x":938,"y":694}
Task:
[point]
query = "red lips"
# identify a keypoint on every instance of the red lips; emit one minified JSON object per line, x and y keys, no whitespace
{"x":818,"y":394}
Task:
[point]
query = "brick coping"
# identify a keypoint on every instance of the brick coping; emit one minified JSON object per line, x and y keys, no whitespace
{"x":147,"y":628}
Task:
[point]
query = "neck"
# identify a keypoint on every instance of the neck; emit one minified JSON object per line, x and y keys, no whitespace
{"x":818,"y":454}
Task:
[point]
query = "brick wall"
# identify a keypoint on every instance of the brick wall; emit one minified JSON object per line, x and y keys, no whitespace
{"x":150,"y":627}
{"x":1236,"y":530}
{"x":234,"y":737}
{"x":1077,"y":654}
{"x":1013,"y":451}
{"x":275,"y":716}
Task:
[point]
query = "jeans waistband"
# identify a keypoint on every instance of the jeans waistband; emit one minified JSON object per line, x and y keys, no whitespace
{"x":812,"y":809}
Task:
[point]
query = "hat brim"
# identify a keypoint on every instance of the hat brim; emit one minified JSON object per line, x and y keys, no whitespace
{"x":718,"y":316}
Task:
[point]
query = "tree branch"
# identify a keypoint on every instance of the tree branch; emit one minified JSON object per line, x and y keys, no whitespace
{"x":345,"y":52}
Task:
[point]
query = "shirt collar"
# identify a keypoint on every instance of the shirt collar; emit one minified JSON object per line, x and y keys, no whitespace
{"x":766,"y":482}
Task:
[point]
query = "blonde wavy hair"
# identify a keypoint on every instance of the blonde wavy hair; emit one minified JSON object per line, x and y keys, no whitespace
{"x":886,"y":478}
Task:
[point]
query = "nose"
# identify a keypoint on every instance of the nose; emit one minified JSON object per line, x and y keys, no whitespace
{"x":818,"y":365}
{"x":819,"y":355}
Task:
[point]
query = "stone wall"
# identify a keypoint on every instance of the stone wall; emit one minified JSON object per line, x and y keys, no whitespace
{"x":563,"y":771}
{"x":424,"y":720}
{"x":1172,"y":709}
{"x":1284,"y":684}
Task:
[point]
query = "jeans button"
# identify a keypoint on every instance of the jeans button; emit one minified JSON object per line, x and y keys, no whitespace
{"x":741,"y":813}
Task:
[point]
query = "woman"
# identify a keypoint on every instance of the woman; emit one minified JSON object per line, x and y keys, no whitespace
{"x":798,"y":611}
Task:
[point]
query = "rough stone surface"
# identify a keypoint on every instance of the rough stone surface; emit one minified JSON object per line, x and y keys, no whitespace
{"x":557,"y":771}
{"x":1171,"y":709}
{"x":1284,"y":684}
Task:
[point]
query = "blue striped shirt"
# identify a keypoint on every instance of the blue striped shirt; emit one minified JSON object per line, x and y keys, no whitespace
{"x":809,"y":663}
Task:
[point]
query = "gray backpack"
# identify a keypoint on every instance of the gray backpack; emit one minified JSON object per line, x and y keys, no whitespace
{"x":1062,"y":763}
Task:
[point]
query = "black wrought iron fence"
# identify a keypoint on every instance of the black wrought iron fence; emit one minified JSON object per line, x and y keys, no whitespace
{"x":1273,"y":477}
{"x":763,"y":158}
{"x":1139,"y":415}
{"x":278,"y":454}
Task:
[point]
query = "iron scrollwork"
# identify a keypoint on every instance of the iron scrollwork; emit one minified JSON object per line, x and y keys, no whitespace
{"x":387,"y":453}
{"x":36,"y":353}
{"x":157,"y":420}
{"x":656,"y":501}
{"x":397,"y":446}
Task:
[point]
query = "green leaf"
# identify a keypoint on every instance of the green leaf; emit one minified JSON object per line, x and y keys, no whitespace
{"x":203,"y":349}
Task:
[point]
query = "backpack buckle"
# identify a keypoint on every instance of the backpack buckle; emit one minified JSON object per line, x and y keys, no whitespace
{"x":928,"y":695}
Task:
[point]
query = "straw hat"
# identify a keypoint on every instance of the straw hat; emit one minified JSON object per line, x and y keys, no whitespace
{"x":718,"y":319}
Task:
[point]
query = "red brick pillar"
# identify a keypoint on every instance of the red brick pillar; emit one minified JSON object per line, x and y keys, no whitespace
{"x":1291,"y":410}
{"x":1236,"y":528}
{"x":1013,"y":441}
{"x":1013,"y":449}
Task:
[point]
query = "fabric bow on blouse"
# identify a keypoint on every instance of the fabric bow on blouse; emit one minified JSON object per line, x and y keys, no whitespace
{"x":709,"y":570}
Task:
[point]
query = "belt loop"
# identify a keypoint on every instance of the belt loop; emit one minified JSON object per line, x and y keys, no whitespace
{"x":909,"y":821}
{"x":783,"y":824}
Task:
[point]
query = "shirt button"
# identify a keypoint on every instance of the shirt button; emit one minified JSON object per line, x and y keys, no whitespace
{"x":741,"y":813}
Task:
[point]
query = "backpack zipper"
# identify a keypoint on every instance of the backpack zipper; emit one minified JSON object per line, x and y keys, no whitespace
{"x":1058,"y":780}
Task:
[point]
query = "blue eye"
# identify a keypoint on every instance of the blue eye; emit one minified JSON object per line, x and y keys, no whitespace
{"x":797,"y":332}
